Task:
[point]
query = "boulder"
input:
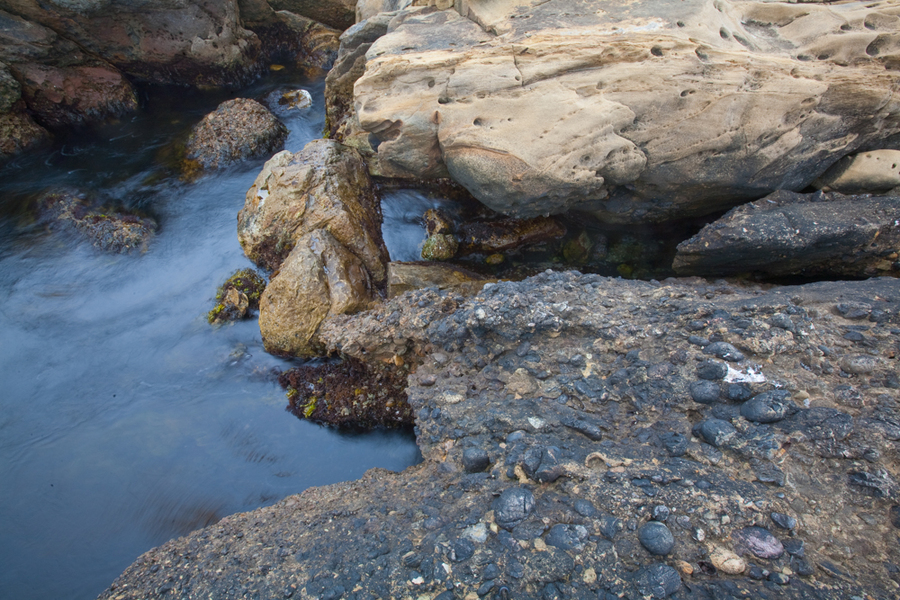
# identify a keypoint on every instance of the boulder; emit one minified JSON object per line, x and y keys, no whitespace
{"x":641,"y":112}
{"x":866,"y":172}
{"x":18,"y":131}
{"x":320,"y":277}
{"x":237,"y":130}
{"x":324,"y":186}
{"x":340,"y":14}
{"x":58,"y":81}
{"x":192,"y":42}
{"x":820,"y":234}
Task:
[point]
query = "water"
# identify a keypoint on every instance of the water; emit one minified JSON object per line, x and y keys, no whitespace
{"x":125,"y":419}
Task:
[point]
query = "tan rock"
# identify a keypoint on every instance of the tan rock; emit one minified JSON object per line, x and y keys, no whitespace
{"x":406,"y":276}
{"x":688,"y":108}
{"x":727,"y":561}
{"x":335,"y":13}
{"x":319,"y":278}
{"x":324,"y":186}
{"x":866,"y":172}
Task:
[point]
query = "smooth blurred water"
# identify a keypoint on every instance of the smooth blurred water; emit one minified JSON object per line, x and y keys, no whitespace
{"x":125,"y":419}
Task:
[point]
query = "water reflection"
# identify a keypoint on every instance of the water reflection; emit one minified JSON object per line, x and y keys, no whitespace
{"x":125,"y":419}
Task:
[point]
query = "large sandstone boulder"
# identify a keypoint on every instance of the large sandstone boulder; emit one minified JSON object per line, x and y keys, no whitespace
{"x":821,"y":234}
{"x":324,"y":186}
{"x":237,"y":130}
{"x":640,"y":111}
{"x":194,"y":42}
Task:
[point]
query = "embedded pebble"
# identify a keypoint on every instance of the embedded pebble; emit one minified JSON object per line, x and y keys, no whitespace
{"x":657,"y":581}
{"x":475,"y":460}
{"x":738,"y":392}
{"x":675,"y":443}
{"x":513,"y":506}
{"x":758,"y":541}
{"x":727,"y":561}
{"x":716,"y":432}
{"x":712,"y":370}
{"x":858,"y":364}
{"x":784,"y":521}
{"x":725,"y":351}
{"x":768,"y":407}
{"x":705,"y":392}
{"x":656,"y":538}
{"x":566,"y":537}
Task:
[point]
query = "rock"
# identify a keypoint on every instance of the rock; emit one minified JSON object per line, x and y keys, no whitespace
{"x":724,"y":350}
{"x":406,"y":276}
{"x":566,"y":536}
{"x":196,"y":42}
{"x":716,"y":432}
{"x":237,"y":296}
{"x":284,"y":102}
{"x":475,"y":460}
{"x":727,"y":561}
{"x":19,"y":133}
{"x":858,"y":364}
{"x":320,"y":277}
{"x":757,"y":541}
{"x":798,"y":234}
{"x":704,"y":392}
{"x":326,"y":186}
{"x":711,"y":370}
{"x":657,"y":581}
{"x":656,"y":538}
{"x":490,"y":237}
{"x":784,"y":521}
{"x":110,"y":229}
{"x":513,"y":506}
{"x":878,"y":483}
{"x":675,"y":443}
{"x":866,"y":172}
{"x":621,"y":126}
{"x":440,"y":246}
{"x":237,"y":130}
{"x":819,"y":424}
{"x":308,"y":43}
{"x":340,"y":14}
{"x":768,"y":407}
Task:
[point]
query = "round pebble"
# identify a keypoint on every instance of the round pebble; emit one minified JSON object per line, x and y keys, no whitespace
{"x":705,"y":392}
{"x":656,"y":538}
{"x":859,"y":364}
{"x":566,"y":537}
{"x":475,"y":460}
{"x":768,"y":407}
{"x":712,"y":370}
{"x":725,"y":351}
{"x":657,"y":581}
{"x":784,"y":521}
{"x":738,"y":392}
{"x":716,"y":432}
{"x":513,"y":506}
{"x":727,"y":561}
{"x":758,"y":541}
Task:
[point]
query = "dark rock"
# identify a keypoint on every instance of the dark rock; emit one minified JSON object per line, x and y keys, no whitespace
{"x":894,"y":514}
{"x":782,"y":321}
{"x":716,"y":432}
{"x":705,"y":392}
{"x":795,"y":547}
{"x":738,"y":392}
{"x":590,"y":430}
{"x":656,"y":538}
{"x":657,"y":581}
{"x":768,"y":407}
{"x":585,"y":508}
{"x":878,"y":483}
{"x":475,"y":460}
{"x":462,"y":549}
{"x":757,"y":541}
{"x":660,"y":513}
{"x":711,"y":370}
{"x":784,"y":521}
{"x":238,"y":296}
{"x":854,"y":311}
{"x":698,"y":341}
{"x":566,"y":537}
{"x":724,"y":351}
{"x":779,"y":578}
{"x":819,"y":424}
{"x":675,"y":443}
{"x":513,"y":506}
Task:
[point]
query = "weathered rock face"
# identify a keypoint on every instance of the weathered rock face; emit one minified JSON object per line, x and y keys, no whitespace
{"x":199,"y":42}
{"x":639,"y":111}
{"x":340,"y":14}
{"x":406,"y":276}
{"x":555,"y":419}
{"x":18,"y":131}
{"x":59,"y":82}
{"x":324,"y":186}
{"x":237,"y":130}
{"x":821,"y":234}
{"x":866,"y":172}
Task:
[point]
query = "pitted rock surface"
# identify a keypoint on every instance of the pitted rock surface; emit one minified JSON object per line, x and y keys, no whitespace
{"x":507,"y":371}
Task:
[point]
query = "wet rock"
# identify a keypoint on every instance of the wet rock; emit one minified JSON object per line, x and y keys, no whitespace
{"x":727,"y":561}
{"x":237,"y":130}
{"x":711,"y":370}
{"x":238,"y":296}
{"x":768,"y":407}
{"x":490,"y":237}
{"x":858,"y":364}
{"x":787,"y":233}
{"x":283,"y":102}
{"x":406,"y":276}
{"x":866,"y":172}
{"x":716,"y":432}
{"x":307,"y":43}
{"x":656,"y":538}
{"x":757,"y":541}
{"x":724,"y":351}
{"x":475,"y":460}
{"x":657,"y":581}
{"x":513,"y":506}
{"x":440,"y":246}
{"x":705,"y":392}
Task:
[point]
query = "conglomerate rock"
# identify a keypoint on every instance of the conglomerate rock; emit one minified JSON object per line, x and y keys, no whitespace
{"x":556,"y":420}
{"x":640,"y":111}
{"x":820,"y":234}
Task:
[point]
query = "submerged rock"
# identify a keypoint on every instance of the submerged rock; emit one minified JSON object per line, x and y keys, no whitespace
{"x":821,"y":234}
{"x":237,"y":130}
{"x":237,"y":297}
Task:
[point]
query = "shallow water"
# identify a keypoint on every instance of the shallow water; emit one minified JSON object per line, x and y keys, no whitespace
{"x":125,"y":419}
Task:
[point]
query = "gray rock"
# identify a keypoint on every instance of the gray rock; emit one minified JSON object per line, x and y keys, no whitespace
{"x":513,"y":506}
{"x":675,"y":443}
{"x":858,"y":364}
{"x":768,"y":407}
{"x":758,"y":542}
{"x":462,"y":549}
{"x":716,"y":432}
{"x":657,"y":581}
{"x":656,"y":538}
{"x":711,"y":370}
{"x":738,"y":392}
{"x":784,"y":521}
{"x":725,"y":351}
{"x":566,"y":536}
{"x":705,"y":392}
{"x":475,"y":460}
{"x":879,"y":483}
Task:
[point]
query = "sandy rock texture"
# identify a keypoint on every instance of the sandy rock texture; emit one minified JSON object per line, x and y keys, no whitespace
{"x":586,"y":437}
{"x":639,"y":111}
{"x":812,"y":235}
{"x":314,"y":218}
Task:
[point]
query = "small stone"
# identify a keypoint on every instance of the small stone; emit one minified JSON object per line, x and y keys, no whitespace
{"x":784,"y":521}
{"x":727,"y":561}
{"x":585,"y":508}
{"x":803,"y":568}
{"x":686,"y":568}
{"x":660,"y":513}
{"x":725,"y":351}
{"x":704,"y":392}
{"x":589,"y":576}
{"x":698,"y":341}
{"x":758,"y":541}
{"x":513,"y":506}
{"x":712,"y":370}
{"x":854,"y":311}
{"x":858,"y":364}
{"x":462,"y":549}
{"x":795,"y":547}
{"x":440,"y":246}
{"x":491,"y":571}
{"x":779,"y":578}
{"x":716,"y":432}
{"x":475,"y":460}
{"x":738,"y":392}
{"x":878,"y":483}
{"x":768,"y":407}
{"x":566,"y":537}
{"x":657,"y":581}
{"x":757,"y":573}
{"x":485,"y":588}
{"x":675,"y":443}
{"x":782,"y":321}
{"x":656,"y":538}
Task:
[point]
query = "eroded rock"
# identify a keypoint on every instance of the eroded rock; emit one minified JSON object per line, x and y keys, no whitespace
{"x":866,"y":172}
